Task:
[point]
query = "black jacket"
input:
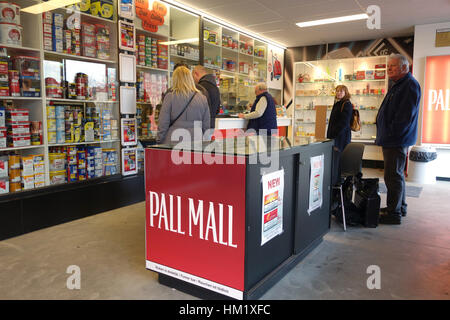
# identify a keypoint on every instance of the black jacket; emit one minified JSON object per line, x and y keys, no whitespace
{"x":339,"y":124}
{"x":208,"y":82}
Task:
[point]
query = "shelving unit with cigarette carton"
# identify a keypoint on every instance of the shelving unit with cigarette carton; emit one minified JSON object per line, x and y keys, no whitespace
{"x":315,"y":83}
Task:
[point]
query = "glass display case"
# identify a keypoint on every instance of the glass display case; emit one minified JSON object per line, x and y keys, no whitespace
{"x":184,"y":38}
{"x":315,"y":83}
{"x":240,"y":60}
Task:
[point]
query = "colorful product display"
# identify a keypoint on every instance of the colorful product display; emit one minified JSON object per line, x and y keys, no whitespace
{"x":73,"y":124}
{"x":150,"y":86}
{"x":62,"y":35}
{"x":10,"y":28}
{"x":21,"y":172}
{"x":23,"y":79}
{"x":78,"y":163}
{"x":151,"y":53}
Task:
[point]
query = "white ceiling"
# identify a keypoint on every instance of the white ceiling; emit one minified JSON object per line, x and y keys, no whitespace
{"x":275,"y":19}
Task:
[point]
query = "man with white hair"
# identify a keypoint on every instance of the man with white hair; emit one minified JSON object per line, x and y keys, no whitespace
{"x":397,"y":130}
{"x":263,"y":114}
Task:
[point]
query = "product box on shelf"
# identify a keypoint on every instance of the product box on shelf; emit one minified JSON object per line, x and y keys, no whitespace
{"x":47,"y":17}
{"x":38,"y":163}
{"x":22,"y":127}
{"x":103,"y":41}
{"x":28,"y":182}
{"x":4,"y":186}
{"x":102,"y":8}
{"x":14,"y":83}
{"x":17,"y":115}
{"x":380,"y":74}
{"x":57,"y":177}
{"x":27,"y":165}
{"x":29,"y":74}
{"x":56,"y":161}
{"x":58,"y":20}
{"x":2,"y":116}
{"x":4,"y":167}
{"x":360,"y":75}
{"x":19,"y":140}
{"x":10,"y":12}
{"x":10,"y":33}
{"x":3,"y":134}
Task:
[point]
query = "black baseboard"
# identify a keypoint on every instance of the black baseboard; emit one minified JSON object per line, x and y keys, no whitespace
{"x":32,"y":210}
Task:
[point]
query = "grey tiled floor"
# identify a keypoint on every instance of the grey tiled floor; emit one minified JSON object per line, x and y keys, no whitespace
{"x":414,"y":258}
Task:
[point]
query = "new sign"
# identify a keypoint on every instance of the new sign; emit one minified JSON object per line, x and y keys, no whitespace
{"x":436,"y":103}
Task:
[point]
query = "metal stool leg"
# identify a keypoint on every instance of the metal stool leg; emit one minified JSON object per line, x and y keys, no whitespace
{"x":343,"y":209}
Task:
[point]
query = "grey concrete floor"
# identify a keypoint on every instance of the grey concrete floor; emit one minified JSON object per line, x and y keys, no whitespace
{"x":109,"y":248}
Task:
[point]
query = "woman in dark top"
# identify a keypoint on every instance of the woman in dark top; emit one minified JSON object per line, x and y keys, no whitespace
{"x":339,"y":123}
{"x":339,"y":127}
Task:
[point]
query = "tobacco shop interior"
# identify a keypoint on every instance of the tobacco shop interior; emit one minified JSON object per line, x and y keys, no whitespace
{"x":81,"y":89}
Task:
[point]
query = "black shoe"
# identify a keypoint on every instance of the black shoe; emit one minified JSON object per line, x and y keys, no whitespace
{"x":389,"y":218}
{"x":383,"y":210}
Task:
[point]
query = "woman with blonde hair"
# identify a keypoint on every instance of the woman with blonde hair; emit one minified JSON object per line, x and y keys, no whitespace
{"x":184,"y":107}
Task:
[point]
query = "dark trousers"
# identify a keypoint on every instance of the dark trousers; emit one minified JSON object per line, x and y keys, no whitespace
{"x":394,"y":178}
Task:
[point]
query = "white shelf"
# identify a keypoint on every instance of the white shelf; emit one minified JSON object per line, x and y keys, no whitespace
{"x":183,"y":57}
{"x":75,"y":57}
{"x":21,"y":98}
{"x":22,"y":148}
{"x":231,"y":50}
{"x":79,"y":101}
{"x":138,"y":66}
{"x":19,"y":48}
{"x":212,"y":44}
{"x":80,"y":143}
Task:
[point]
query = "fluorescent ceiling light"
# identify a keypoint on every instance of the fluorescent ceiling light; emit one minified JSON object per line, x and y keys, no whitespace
{"x":180,"y":41}
{"x":224,"y":23}
{"x":333,"y":20}
{"x":49,"y":5}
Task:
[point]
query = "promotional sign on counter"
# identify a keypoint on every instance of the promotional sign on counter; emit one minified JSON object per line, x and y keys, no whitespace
{"x":196,"y":234}
{"x":316,"y":183}
{"x":436,"y":101}
{"x":272,"y":205}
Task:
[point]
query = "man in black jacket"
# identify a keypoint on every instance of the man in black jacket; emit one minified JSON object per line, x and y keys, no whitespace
{"x":208,"y":81}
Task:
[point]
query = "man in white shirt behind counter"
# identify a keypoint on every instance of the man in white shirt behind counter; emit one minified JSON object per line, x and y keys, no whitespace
{"x":263,"y":115}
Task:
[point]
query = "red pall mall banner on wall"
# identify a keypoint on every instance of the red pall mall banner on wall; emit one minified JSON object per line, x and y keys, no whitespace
{"x":436,"y":102}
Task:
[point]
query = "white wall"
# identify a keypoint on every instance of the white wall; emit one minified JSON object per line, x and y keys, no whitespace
{"x":424,"y":41}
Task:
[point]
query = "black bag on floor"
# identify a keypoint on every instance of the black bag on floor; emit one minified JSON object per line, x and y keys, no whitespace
{"x":367,"y":199}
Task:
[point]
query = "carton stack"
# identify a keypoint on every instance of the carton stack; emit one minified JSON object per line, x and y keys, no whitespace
{"x":29,"y":75}
{"x":88,"y":40}
{"x":4,"y":85}
{"x":163,"y":53}
{"x":18,"y":127}
{"x":3,"y":129}
{"x":102,"y":33}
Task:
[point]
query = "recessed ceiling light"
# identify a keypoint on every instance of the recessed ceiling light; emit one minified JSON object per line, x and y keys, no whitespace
{"x":333,"y":20}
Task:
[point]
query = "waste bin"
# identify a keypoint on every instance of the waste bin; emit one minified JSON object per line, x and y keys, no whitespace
{"x":421,"y":166}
